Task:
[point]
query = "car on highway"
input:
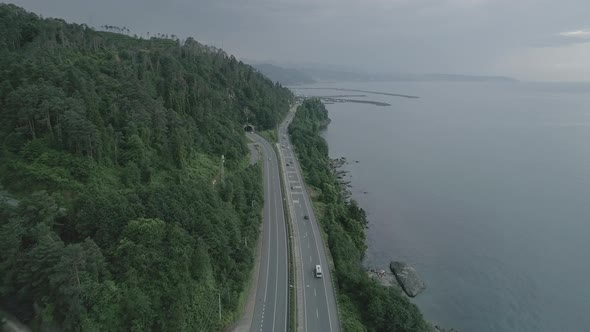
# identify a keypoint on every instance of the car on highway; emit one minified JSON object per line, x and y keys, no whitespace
{"x":318,"y":271}
{"x":306,"y":217}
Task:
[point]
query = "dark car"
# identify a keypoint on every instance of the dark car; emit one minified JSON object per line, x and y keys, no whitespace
{"x":306,"y":217}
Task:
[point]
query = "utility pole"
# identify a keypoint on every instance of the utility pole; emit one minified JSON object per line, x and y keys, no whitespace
{"x":222,"y":162}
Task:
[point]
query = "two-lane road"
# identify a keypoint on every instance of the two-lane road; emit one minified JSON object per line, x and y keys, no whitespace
{"x":271,"y":308}
{"x":320,"y":311}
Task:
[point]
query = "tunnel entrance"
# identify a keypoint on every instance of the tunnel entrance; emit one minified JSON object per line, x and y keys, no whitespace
{"x":249,"y":128}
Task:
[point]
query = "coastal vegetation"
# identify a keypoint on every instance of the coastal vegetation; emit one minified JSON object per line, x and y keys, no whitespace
{"x":364,"y":304}
{"x":112,"y":147}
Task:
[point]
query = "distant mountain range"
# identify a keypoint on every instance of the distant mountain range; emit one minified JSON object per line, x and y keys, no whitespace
{"x":285,"y":76}
{"x":306,"y":74}
{"x":464,"y":78}
{"x":338,"y":75}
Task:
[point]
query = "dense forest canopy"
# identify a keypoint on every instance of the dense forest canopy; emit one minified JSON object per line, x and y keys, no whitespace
{"x":112,"y":145}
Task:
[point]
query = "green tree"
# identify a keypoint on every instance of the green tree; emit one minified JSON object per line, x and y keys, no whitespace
{"x":112,"y":144}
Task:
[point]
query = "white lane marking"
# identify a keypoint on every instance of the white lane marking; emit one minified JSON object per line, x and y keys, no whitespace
{"x":305,"y":202}
{"x":315,"y":292}
{"x":268,"y":243}
{"x":274,"y":313}
{"x":302,"y":277}
{"x":280,"y":207}
{"x":310,"y":259}
{"x":262,"y":318}
{"x":285,"y":243}
{"x":317,"y":315}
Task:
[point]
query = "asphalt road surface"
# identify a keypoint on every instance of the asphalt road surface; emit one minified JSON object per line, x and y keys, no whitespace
{"x":271,"y":308}
{"x":319,"y":301}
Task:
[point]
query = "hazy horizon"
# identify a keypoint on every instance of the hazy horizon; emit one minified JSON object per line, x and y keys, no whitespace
{"x":529,"y":40}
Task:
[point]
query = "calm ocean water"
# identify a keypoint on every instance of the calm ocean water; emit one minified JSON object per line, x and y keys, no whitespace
{"x":484,"y":188}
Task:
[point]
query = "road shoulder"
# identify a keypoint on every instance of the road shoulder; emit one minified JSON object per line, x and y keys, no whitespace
{"x":245,"y":322}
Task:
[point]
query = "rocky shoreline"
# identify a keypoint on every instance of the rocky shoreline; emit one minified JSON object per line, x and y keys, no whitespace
{"x":384,"y":278}
{"x":401,"y":276}
{"x":390,"y":280}
{"x":341,"y":175}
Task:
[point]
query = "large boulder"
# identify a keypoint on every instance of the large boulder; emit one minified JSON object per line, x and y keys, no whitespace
{"x":408,"y":278}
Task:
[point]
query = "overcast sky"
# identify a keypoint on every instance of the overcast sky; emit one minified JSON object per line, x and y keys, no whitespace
{"x":526,"y":39}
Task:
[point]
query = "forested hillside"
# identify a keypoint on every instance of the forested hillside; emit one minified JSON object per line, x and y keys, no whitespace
{"x":364,"y":304}
{"x":112,"y":145}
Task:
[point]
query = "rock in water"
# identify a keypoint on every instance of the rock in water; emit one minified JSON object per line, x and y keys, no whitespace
{"x":408,"y":278}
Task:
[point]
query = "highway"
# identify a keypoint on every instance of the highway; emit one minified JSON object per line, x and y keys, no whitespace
{"x":317,"y":310}
{"x":271,"y":307}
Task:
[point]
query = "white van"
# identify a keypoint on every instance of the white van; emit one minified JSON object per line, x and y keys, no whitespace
{"x":318,"y":271}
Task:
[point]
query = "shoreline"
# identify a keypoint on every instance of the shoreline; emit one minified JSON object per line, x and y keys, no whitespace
{"x":383,"y":276}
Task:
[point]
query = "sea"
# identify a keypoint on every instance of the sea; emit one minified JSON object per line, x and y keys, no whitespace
{"x":483,"y":187}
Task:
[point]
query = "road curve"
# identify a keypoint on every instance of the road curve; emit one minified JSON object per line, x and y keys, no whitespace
{"x":271,"y":307}
{"x":320,"y":311}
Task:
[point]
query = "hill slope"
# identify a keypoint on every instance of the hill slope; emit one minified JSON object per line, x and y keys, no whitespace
{"x":112,"y":145}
